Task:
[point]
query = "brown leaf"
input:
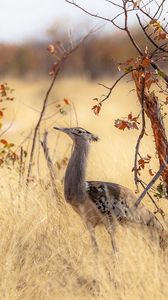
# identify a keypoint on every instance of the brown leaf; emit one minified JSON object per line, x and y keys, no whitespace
{"x":134,"y":126}
{"x":141,"y":163}
{"x":4,"y":142}
{"x":136,"y":4}
{"x":130,"y":116}
{"x":121,"y":124}
{"x":148,"y":75}
{"x":67,"y":102}
{"x":51,"y":48}
{"x":2,"y":90}
{"x":146,"y":62}
{"x":161,"y":36}
{"x":151,"y":173}
{"x":96,"y":109}
{"x":166,"y":102}
{"x":149,"y":83}
{"x":54,"y":69}
{"x":153,"y":21}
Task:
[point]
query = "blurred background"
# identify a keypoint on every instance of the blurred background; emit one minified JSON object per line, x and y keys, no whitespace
{"x":28,"y":26}
{"x":45,"y":249}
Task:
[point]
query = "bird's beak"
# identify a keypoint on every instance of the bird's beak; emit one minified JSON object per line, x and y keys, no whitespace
{"x":60,"y":129}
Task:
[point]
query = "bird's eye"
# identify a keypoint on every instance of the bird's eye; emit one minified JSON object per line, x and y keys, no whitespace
{"x":79,"y":131}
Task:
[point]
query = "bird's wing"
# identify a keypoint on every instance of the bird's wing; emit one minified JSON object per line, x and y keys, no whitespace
{"x":112,"y":198}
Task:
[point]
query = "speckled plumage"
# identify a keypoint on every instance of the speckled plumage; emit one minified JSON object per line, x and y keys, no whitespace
{"x":100,"y":202}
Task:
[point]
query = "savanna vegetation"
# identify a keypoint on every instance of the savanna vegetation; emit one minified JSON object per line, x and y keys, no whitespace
{"x":45,"y":248}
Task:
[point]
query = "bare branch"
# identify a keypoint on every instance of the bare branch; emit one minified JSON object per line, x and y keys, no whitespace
{"x":94,"y":15}
{"x":115,"y":4}
{"x":161,"y":73}
{"x":49,"y":164}
{"x":128,"y":31}
{"x":158,"y":209}
{"x":113,"y":86}
{"x":66,"y":55}
{"x":160,"y":7}
{"x":151,"y":183}
{"x":39,"y":122}
{"x":136,"y":180}
{"x":148,"y":36}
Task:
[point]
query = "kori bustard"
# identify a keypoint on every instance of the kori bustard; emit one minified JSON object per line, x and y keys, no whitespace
{"x":100,"y":202}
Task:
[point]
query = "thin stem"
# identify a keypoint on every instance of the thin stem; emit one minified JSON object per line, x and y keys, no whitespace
{"x":39,"y":122}
{"x":141,"y":133}
{"x":151,"y":183}
{"x":94,"y":15}
{"x":115,"y":4}
{"x":128,"y":31}
{"x":113,"y":86}
{"x":149,"y":38}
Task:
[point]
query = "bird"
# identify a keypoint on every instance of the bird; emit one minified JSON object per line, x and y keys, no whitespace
{"x":99,"y":202}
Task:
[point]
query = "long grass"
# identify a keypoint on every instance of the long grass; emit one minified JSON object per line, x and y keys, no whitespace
{"x":45,"y":248}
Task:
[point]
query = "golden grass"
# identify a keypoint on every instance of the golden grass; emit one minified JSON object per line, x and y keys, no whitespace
{"x":45,"y":247}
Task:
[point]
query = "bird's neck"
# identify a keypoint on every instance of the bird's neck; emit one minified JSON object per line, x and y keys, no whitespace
{"x":74,"y":183}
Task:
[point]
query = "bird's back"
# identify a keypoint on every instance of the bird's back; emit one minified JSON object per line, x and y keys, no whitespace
{"x":118,"y":201}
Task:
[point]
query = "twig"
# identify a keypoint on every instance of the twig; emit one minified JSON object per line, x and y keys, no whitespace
{"x":39,"y":122}
{"x":113,"y":86}
{"x":161,"y":73}
{"x":128,"y":31}
{"x":115,"y":4}
{"x":49,"y":164}
{"x":21,"y":166}
{"x":47,"y":156}
{"x":158,"y":209}
{"x":150,"y":184}
{"x":141,"y":133}
{"x":58,"y":67}
{"x":94,"y":15}
{"x":149,"y":38}
{"x":159,"y":7}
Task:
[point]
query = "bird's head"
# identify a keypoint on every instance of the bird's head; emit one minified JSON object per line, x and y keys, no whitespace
{"x":79,"y":134}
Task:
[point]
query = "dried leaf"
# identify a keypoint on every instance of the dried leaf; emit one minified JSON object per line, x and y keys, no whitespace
{"x":121,"y":124}
{"x":96,"y":109}
{"x":134,"y":126}
{"x":67,"y":102}
{"x":146,"y":62}
{"x":130,"y":116}
{"x":153,"y":21}
{"x":151,"y":173}
{"x":4,"y":142}
{"x":149,"y":83}
{"x":135,"y":4}
{"x":51,"y":48}
{"x":2,"y":90}
{"x":54,"y":69}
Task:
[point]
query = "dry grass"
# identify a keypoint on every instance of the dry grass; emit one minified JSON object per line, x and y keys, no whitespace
{"x":45,"y":247}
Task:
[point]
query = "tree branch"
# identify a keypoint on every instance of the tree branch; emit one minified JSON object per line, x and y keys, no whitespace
{"x":151,"y":183}
{"x":161,"y":73}
{"x":128,"y":31}
{"x":136,"y":180}
{"x":159,"y":7}
{"x":65,"y":55}
{"x":158,"y":209}
{"x":115,"y":4}
{"x":148,"y":36}
{"x":113,"y":86}
{"x":94,"y":15}
{"x":39,"y":122}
